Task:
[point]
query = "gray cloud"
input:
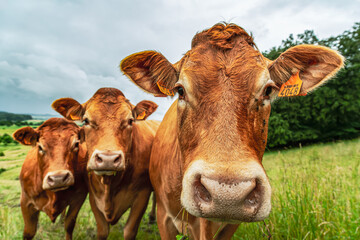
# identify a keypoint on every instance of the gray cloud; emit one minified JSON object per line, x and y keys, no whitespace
{"x":53,"y":49}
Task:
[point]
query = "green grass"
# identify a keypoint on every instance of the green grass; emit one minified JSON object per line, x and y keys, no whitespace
{"x":316,"y":195}
{"x":9,"y":129}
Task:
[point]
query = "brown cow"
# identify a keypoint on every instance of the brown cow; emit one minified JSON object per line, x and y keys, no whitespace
{"x":206,"y":161}
{"x":119,"y":152}
{"x":53,"y":174}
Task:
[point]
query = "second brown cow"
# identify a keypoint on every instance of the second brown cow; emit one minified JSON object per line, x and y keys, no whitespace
{"x":119,"y":149}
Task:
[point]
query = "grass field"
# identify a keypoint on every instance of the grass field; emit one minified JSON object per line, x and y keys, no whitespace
{"x":8,"y":130}
{"x":316,"y":195}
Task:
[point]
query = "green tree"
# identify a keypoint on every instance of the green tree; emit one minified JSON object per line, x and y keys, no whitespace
{"x":6,"y":139}
{"x":331,"y":112}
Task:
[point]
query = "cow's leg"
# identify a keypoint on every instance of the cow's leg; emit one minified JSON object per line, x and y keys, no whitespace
{"x":227,"y":232}
{"x":136,"y":213}
{"x":31,"y":218}
{"x":215,"y":230}
{"x":62,"y":216}
{"x":71,"y":216}
{"x":206,"y":229}
{"x":101,"y":223}
{"x":166,"y":226}
{"x":152,"y":215}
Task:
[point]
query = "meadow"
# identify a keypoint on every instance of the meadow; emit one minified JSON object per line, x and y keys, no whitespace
{"x":316,"y":195}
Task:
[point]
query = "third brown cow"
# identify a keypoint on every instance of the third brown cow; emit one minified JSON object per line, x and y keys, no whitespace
{"x":119,"y":146}
{"x":53,"y":175}
{"x":206,"y":162}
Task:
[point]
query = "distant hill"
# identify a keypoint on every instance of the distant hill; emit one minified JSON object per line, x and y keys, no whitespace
{"x":5,"y":116}
{"x":44,"y":116}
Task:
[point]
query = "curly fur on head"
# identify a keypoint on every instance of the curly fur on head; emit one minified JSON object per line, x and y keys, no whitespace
{"x":222,"y":35}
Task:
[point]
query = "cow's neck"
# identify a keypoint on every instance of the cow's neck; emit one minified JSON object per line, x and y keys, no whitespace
{"x":38,"y":179}
{"x":171,"y":163}
{"x":108,"y":208}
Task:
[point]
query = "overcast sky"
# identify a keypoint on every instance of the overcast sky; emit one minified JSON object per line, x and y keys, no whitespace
{"x":70,"y":48}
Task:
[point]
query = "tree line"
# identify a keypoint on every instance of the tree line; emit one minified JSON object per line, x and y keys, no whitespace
{"x":5,"y":116}
{"x":330,"y":113}
{"x":19,"y":123}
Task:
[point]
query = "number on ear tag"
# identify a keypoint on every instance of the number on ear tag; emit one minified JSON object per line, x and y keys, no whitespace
{"x":292,"y":87}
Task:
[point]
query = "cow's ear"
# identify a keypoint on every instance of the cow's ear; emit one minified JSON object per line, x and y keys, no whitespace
{"x":69,"y":108}
{"x":26,"y":136}
{"x":151,"y":71}
{"x":313,"y":64}
{"x":144,"y":109}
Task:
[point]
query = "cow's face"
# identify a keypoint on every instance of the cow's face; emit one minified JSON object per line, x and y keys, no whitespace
{"x":108,"y":119}
{"x":222,"y":112}
{"x":57,"y":143}
{"x":225,"y":87}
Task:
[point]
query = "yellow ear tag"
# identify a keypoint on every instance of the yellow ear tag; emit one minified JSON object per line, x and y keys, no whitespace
{"x":74,"y":117}
{"x":292,"y":87}
{"x":164,"y":90}
{"x":27,"y":141}
{"x":141,"y":116}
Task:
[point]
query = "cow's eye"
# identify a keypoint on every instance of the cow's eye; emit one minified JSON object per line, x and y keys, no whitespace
{"x":76,"y":146}
{"x":131,"y":121}
{"x":181,"y":91}
{"x":86,"y":121}
{"x":269,"y":89}
{"x":41,"y":149}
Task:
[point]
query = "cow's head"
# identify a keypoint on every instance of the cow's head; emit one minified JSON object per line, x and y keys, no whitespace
{"x":57,"y":143}
{"x":225,"y":86}
{"x":108,"y":119}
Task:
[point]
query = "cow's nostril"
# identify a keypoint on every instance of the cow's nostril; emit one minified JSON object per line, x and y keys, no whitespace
{"x":98,"y":159}
{"x":117,"y":159}
{"x":66,"y":177}
{"x":254,"y":196}
{"x":50,"y":180}
{"x":201,"y":192}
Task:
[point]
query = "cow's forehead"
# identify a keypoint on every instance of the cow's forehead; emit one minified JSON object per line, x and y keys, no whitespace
{"x":57,"y":126}
{"x":108,"y":103}
{"x":55,"y":138}
{"x":225,"y":51}
{"x":208,"y":70}
{"x":108,"y":108}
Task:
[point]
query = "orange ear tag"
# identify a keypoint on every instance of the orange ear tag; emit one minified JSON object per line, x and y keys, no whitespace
{"x":292,"y":87}
{"x":27,"y":141}
{"x":164,"y":90}
{"x":141,"y":116}
{"x":74,"y":117}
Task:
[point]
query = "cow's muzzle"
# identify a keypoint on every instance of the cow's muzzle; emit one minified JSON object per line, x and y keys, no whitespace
{"x":58,"y":180}
{"x":106,"y":162}
{"x":239,"y":195}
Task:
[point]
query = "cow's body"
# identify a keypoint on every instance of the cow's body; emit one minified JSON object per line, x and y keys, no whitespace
{"x":53,"y":201}
{"x":206,"y":161}
{"x":119,"y":150}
